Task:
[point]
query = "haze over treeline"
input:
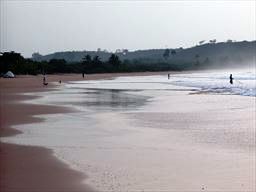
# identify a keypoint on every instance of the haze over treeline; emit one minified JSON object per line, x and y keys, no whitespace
{"x":209,"y":55}
{"x":214,"y":52}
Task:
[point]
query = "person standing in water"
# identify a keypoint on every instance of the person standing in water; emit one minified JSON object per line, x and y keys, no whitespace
{"x":231,"y":79}
{"x":168,"y":75}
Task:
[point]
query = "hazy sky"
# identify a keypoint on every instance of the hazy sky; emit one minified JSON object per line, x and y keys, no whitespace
{"x":49,"y":26}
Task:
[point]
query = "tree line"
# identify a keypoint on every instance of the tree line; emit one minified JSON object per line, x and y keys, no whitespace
{"x":15,"y":62}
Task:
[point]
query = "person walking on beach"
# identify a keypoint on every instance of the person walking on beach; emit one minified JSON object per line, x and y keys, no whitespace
{"x":231,"y":79}
{"x":168,"y":75}
{"x":44,"y":80}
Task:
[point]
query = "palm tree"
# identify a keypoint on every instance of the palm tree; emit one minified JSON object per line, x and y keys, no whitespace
{"x":173,"y":52}
{"x":114,"y":60}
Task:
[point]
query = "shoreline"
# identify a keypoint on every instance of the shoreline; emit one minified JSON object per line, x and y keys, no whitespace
{"x":31,"y":165}
{"x":33,"y":168}
{"x":30,"y":168}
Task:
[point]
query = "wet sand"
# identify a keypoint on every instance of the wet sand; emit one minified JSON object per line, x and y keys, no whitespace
{"x":26,"y":168}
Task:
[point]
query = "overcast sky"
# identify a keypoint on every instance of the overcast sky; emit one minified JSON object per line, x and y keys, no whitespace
{"x":50,"y":26}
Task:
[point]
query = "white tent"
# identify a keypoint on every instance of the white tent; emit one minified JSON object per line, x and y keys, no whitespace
{"x":9,"y":74}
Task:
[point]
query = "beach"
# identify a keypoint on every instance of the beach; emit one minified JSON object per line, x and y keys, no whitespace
{"x":130,"y":132}
{"x":27,"y":168}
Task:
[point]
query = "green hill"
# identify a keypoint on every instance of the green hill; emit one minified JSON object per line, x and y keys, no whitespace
{"x":206,"y":55}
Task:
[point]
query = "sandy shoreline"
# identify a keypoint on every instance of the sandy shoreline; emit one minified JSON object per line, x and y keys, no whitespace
{"x":25,"y":168}
{"x":197,"y":142}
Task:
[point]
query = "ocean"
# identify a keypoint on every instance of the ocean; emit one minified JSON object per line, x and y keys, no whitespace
{"x":217,"y":82}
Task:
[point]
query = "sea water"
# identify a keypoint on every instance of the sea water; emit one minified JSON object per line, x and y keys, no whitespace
{"x":244,"y":82}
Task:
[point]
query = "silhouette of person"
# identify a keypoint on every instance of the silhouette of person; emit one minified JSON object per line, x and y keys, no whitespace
{"x":44,"y":80}
{"x":231,"y":79}
{"x":168,"y":75}
{"x":83,"y":75}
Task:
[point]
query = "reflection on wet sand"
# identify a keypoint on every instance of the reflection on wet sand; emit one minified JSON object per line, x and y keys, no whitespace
{"x":107,"y":100}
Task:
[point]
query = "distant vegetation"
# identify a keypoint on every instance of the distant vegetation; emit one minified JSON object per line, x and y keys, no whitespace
{"x":203,"y":56}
